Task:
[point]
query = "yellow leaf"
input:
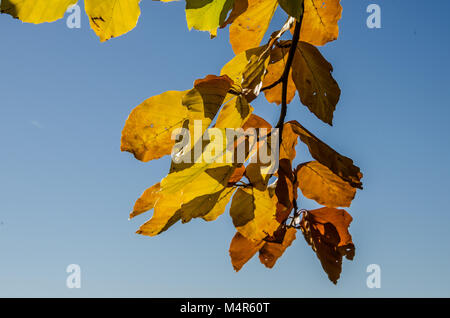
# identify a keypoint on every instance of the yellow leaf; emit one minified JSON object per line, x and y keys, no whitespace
{"x":206,"y":192}
{"x":36,"y":11}
{"x":242,"y":250}
{"x":253,"y":213}
{"x":207,"y":15}
{"x":312,"y":76}
{"x":147,"y":200}
{"x":338,"y":164}
{"x":272,"y":251}
{"x":320,"y":21}
{"x":249,"y":27}
{"x":148,"y":130}
{"x":220,"y":205}
{"x":234,"y":113}
{"x":112,"y":18}
{"x":247,"y":70}
{"x":319,"y":183}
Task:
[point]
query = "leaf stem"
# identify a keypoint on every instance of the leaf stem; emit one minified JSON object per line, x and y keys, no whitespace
{"x":285,"y":76}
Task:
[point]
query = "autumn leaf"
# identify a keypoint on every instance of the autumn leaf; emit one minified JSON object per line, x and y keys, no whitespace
{"x":275,"y":70}
{"x":340,"y":165}
{"x":319,"y":183}
{"x":234,"y":113}
{"x":207,"y":15}
{"x":108,"y":18}
{"x":326,"y":230}
{"x":251,"y":19}
{"x":292,"y":7}
{"x":320,"y":21}
{"x":247,"y":71}
{"x":204,"y":195}
{"x":112,"y":18}
{"x":317,"y":89}
{"x":253,"y":213}
{"x":148,"y":130}
{"x":272,"y":251}
{"x":242,"y":249}
{"x":36,"y":11}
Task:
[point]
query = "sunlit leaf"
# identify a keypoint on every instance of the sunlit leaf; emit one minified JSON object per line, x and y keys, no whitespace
{"x":242,"y":250}
{"x":148,"y":130}
{"x":320,"y":21}
{"x":251,"y":22}
{"x":319,"y":183}
{"x":272,"y":251}
{"x":312,"y":76}
{"x":207,"y":15}
{"x":326,"y":230}
{"x":275,"y":69}
{"x":340,"y":165}
{"x":253,"y":213}
{"x":36,"y":11}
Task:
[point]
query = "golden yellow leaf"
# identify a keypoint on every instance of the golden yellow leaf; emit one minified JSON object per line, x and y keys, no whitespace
{"x":317,"y":88}
{"x":275,"y":70}
{"x":242,"y":250}
{"x":247,"y":70}
{"x":220,"y":205}
{"x":234,"y":113}
{"x":326,"y":230}
{"x":338,"y":164}
{"x":272,"y":251}
{"x":184,"y":198}
{"x":147,"y":200}
{"x":249,"y":27}
{"x":320,"y":21}
{"x":148,"y":130}
{"x":319,"y":183}
{"x":253,"y":213}
{"x":36,"y":11}
{"x":112,"y":18}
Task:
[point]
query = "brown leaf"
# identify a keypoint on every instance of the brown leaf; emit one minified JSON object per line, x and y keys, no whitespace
{"x":319,"y":183}
{"x":242,"y":250}
{"x":326,"y":230}
{"x":317,"y":89}
{"x":340,"y":165}
{"x":272,"y":251}
{"x":275,"y":70}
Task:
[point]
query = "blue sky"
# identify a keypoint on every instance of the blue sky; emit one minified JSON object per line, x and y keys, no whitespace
{"x":66,"y":189}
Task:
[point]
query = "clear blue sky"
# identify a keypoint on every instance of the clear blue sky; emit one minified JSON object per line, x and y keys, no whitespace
{"x":66,"y":189}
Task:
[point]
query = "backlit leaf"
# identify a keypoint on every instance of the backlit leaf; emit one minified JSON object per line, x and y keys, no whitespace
{"x":340,"y":165}
{"x":326,"y":230}
{"x":292,"y":7}
{"x":250,"y":25}
{"x":36,"y":11}
{"x":253,"y":213}
{"x":275,"y":69}
{"x":272,"y":251}
{"x":312,"y":76}
{"x":148,"y":130}
{"x":242,"y":250}
{"x":319,"y":183}
{"x":207,"y":15}
{"x":320,"y":21}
